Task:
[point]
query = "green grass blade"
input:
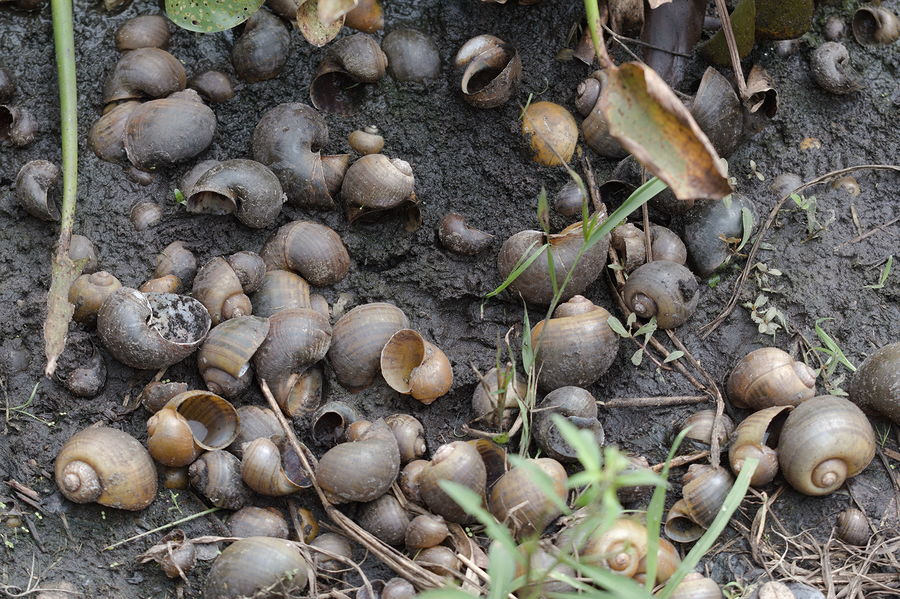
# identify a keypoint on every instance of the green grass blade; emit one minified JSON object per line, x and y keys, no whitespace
{"x":832,"y":345}
{"x":543,"y":482}
{"x":471,"y":502}
{"x":637,"y":199}
{"x":747,"y":226}
{"x":522,"y":265}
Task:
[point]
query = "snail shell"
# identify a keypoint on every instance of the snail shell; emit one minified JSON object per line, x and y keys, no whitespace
{"x":331,"y":422}
{"x":426,"y":530}
{"x":376,"y":182}
{"x":174,"y":478}
{"x":853,"y":527}
{"x":701,"y":425}
{"x":176,"y":259}
{"x":575,"y":405}
{"x":824,"y":441}
{"x":349,"y":61}
{"x":191,"y":423}
{"x":256,"y":423}
{"x":459,"y":462}
{"x":488,"y":400}
{"x":153,"y":330}
{"x":705,"y":227}
{"x":297,"y":339}
{"x":252,"y":521}
{"x":107,"y":136}
{"x":224,"y":358}
{"x":491,"y":71}
{"x":214,"y":86}
{"x":300,"y":394}
{"x":33,"y":184}
{"x":359,"y":336}
{"x":458,"y":237}
{"x":666,"y":290}
{"x":409,"y":480}
{"x":249,"y":269}
{"x":144,"y":73}
{"x":831,"y":68}
{"x":494,"y":458}
{"x":702,"y":496}
{"x":144,"y":31}
{"x":245,"y":188}
{"x":749,"y":441}
{"x":411,"y":55}
{"x":155,"y":395}
{"x":873,"y":24}
{"x":576,"y":346}
{"x":144,"y":215}
{"x":88,"y":293}
{"x":106,"y":466}
{"x":81,"y":368}
{"x":519,"y":501}
{"x":619,"y":548}
{"x":166,"y":284}
{"x":335,"y":544}
{"x":262,"y":50}
{"x":366,"y":141}
{"x":218,"y":288}
{"x":696,"y":586}
{"x":666,"y":245}
{"x":368,"y":16}
{"x":628,"y":240}
{"x":273,"y":469}
{"x":876,"y":384}
{"x":410,"y":435}
{"x":769,"y":377}
{"x":256,"y":565}
{"x":280,"y":290}
{"x":551,"y":131}
{"x":440,"y":560}
{"x":384,"y":518}
{"x":163,"y":132}
{"x":539,"y":567}
{"x":360,"y":470}
{"x":718,"y":111}
{"x":17,"y":125}
{"x":83,"y":249}
{"x":415,"y":367}
{"x":569,"y":200}
{"x":314,"y":251}
{"x":595,"y":126}
{"x":217,"y":476}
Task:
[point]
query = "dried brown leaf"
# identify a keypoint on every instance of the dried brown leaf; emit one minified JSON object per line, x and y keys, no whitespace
{"x":761,"y":94}
{"x":59,"y":310}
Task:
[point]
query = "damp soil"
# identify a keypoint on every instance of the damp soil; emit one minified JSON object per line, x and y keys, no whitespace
{"x":466,"y":160}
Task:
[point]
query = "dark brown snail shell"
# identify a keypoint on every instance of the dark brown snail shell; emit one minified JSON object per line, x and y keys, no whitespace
{"x":144,"y":31}
{"x":224,"y":358}
{"x":458,"y":237}
{"x":410,"y":435}
{"x":666,"y":290}
{"x":153,"y":330}
{"x":876,"y":384}
{"x":256,"y":423}
{"x":144,"y":73}
{"x":384,"y":518}
{"x":280,"y":290}
{"x":706,"y":226}
{"x":359,"y":336}
{"x":769,"y":377}
{"x":214,"y":86}
{"x":88,"y":293}
{"x":749,"y":441}
{"x":440,"y":560}
{"x":874,"y":24}
{"x":702,"y":496}
{"x":82,"y":249}
{"x":853,"y":527}
{"x":350,"y":61}
{"x":188,"y":425}
{"x":517,"y":500}
{"x":718,"y":111}
{"x":832,"y":70}
{"x":415,"y":367}
{"x":366,"y":141}
{"x":360,"y":470}
{"x":155,"y":395}
{"x":491,"y":71}
{"x":249,"y":268}
{"x":411,"y":55}
{"x":492,"y":407}
{"x":314,"y":251}
{"x":569,"y":200}
{"x":81,"y":368}
{"x":17,"y":125}
{"x":576,"y":346}
{"x":245,"y":188}
{"x":594,"y":127}
{"x":262,"y":50}
{"x":273,"y":469}
{"x":253,"y":521}
{"x":107,"y":136}
{"x":34,"y":183}
{"x":106,"y":466}
{"x":426,"y":530}
{"x":375,"y":183}
{"x":297,"y":339}
{"x":368,"y":16}
{"x":176,"y":259}
{"x":628,"y":241}
{"x":575,"y":405}
{"x":217,"y":476}
{"x":331,"y":421}
{"x":551,"y":131}
{"x":459,"y":462}
{"x":218,"y":288}
{"x":539,"y":567}
{"x":256,"y":565}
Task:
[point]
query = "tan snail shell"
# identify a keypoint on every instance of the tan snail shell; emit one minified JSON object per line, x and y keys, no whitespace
{"x":256,"y":423}
{"x":88,"y":293}
{"x":853,"y":527}
{"x":166,"y":284}
{"x":874,"y":24}
{"x":366,"y":141}
{"x":459,"y":462}
{"x":280,"y":289}
{"x":106,"y":466}
{"x":272,"y":469}
{"x":224,"y":358}
{"x":749,"y":441}
{"x":522,"y":504}
{"x":313,"y":251}
{"x":770,"y":377}
{"x":552,"y":132}
{"x":415,"y":367}
{"x":696,"y":586}
{"x":579,"y":408}
{"x":701,"y":425}
{"x":426,"y":530}
{"x":191,"y":423}
{"x":440,"y":560}
{"x":410,"y":435}
{"x":300,"y":395}
{"x":375,"y":183}
{"x":361,"y":470}
{"x":253,"y":565}
{"x":622,"y":548}
{"x":253,"y":521}
{"x":297,"y":339}
{"x":666,"y":290}
{"x":702,"y":496}
{"x":357,"y":341}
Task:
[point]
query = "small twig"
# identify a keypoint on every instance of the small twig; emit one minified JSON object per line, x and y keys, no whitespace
{"x":681,"y":460}
{"x":163,"y":527}
{"x":855,"y":215}
{"x":652,"y":402}
{"x":648,"y":238}
{"x":618,"y":36}
{"x":868,"y":233}
{"x":722,"y":9}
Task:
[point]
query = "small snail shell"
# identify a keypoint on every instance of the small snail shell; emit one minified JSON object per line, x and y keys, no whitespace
{"x":175,"y":555}
{"x":696,"y":586}
{"x":300,"y":394}
{"x":459,"y":462}
{"x":357,"y":341}
{"x":214,"y":86}
{"x":705,"y":227}
{"x":384,"y":518}
{"x":106,"y":466}
{"x":426,"y":530}
{"x":273,"y":469}
{"x":17,"y":125}
{"x":218,"y":288}
{"x":155,"y":395}
{"x":189,"y":424}
{"x":252,"y":521}
{"x":569,"y":200}
{"x":769,"y":377}
{"x":663,"y":289}
{"x":491,"y":71}
{"x":331,"y":422}
{"x":718,"y":111}
{"x":256,"y":423}
{"x":368,"y":16}
{"x":376,"y":182}
{"x":217,"y":476}
{"x":107,"y":136}
{"x":349,"y":61}
{"x":254,"y":565}
{"x":458,"y":237}
{"x":521,"y":503}
{"x":749,"y":441}
{"x":144,"y":215}
{"x":874,"y":24}
{"x":249,"y":268}
{"x":440,"y":560}
{"x":575,"y":405}
{"x":834,"y":29}
{"x":619,"y":548}
{"x":595,"y":126}
{"x":876,"y":384}
{"x":176,"y":259}
{"x":360,"y":470}
{"x":552,"y":132}
{"x":701,"y":425}
{"x":666,"y":245}
{"x":279,"y":290}
{"x":635,"y":493}
{"x":88,"y":293}
{"x":409,"y":480}
{"x":701,"y":499}
{"x":411,"y":55}
{"x":831,"y":68}
{"x":366,"y":141}
{"x":262,"y":50}
{"x":576,"y":346}
{"x":174,"y":478}
{"x":166,"y":284}
{"x":410,"y":435}
{"x":785,"y":183}
{"x":297,"y":339}
{"x":824,"y":441}
{"x":83,"y":249}
{"x":628,"y":240}
{"x":415,"y":367}
{"x":313,"y":251}
{"x":81,"y":368}
{"x":144,"y":73}
{"x":245,"y":188}
{"x":224,"y":358}
{"x":853,"y":527}
{"x":491,"y":406}
{"x":33,"y":189}
{"x":335,"y":544}
{"x":144,"y":31}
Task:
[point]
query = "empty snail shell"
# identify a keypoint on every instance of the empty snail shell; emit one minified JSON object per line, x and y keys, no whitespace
{"x":153,"y":330}
{"x":696,"y":586}
{"x":384,"y":518}
{"x":666,"y":290}
{"x":106,"y":466}
{"x":144,"y":73}
{"x":262,"y":50}
{"x":81,"y":368}
{"x":426,"y":530}
{"x":834,"y":29}
{"x":491,"y":71}
{"x":411,"y":55}
{"x":368,"y":16}
{"x":700,"y":424}
{"x":214,"y":86}
{"x":313,"y":251}
{"x":415,"y":367}
{"x":595,"y":127}
{"x":33,"y":189}
{"x":331,"y":421}
{"x":191,"y":423}
{"x":166,"y":284}
{"x":349,"y":61}
{"x":824,"y":441}
{"x":252,"y":521}
{"x":576,"y":346}
{"x":876,"y":384}
{"x":88,"y":293}
{"x":256,"y":423}
{"x":707,"y":226}
{"x":458,"y":237}
{"x":376,"y":182}
{"x":217,"y":476}
{"x":494,"y":458}
{"x":357,"y":341}
{"x":552,"y":132}
{"x":492,"y":407}
{"x":218,"y":288}
{"x":335,"y":545}
{"x":666,"y":245}
{"x":853,"y":527}
{"x":718,"y":111}
{"x":17,"y":125}
{"x":280,"y":290}
{"x":874,"y":24}
{"x":360,"y":470}
{"x":256,"y":565}
{"x":569,"y":200}
{"x":702,"y":496}
{"x":144,"y":31}
{"x":440,"y":560}
{"x":224,"y":358}
{"x":144,"y":215}
{"x":575,"y":405}
{"x":300,"y":394}
{"x":628,"y":240}
{"x":459,"y":462}
{"x":770,"y":377}
{"x":176,"y":259}
{"x":297,"y":339}
{"x":155,"y":395}
{"x":273,"y":469}
{"x":523,"y":504}
{"x":832,"y":69}
{"x":750,"y":441}
{"x":245,"y":188}
{"x":107,"y":135}
{"x":366,"y":141}
{"x":409,"y":480}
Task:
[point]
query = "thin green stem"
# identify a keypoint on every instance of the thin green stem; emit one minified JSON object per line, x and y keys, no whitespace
{"x":592,"y":12}
{"x":64,"y":40}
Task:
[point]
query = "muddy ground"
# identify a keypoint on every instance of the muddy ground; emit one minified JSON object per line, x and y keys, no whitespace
{"x":466,"y":160}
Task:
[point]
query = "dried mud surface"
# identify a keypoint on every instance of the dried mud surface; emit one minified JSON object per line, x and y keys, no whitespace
{"x":469,"y":161}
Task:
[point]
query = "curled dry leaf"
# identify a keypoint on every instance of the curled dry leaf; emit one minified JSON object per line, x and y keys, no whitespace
{"x":312,"y":27}
{"x":761,"y":94}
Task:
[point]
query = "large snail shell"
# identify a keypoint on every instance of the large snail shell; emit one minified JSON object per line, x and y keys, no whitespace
{"x":314,"y":251}
{"x":853,"y":527}
{"x":459,"y":462}
{"x":552,"y":132}
{"x":359,"y":336}
{"x":749,"y":441}
{"x":385,"y":518}
{"x":413,"y":366}
{"x":376,"y":182}
{"x":33,"y":189}
{"x":176,"y":259}
{"x":256,"y":423}
{"x":426,"y":530}
{"x":411,"y":55}
{"x":495,"y":408}
{"x":144,"y":31}
{"x":253,"y":521}
{"x":410,"y":435}
{"x":217,"y":476}
{"x":769,"y":377}
{"x":88,"y":293}
{"x":144,"y":73}
{"x":595,"y":126}
{"x":297,"y":339}
{"x":107,"y":136}
{"x":224,"y":358}
{"x":191,"y":423}
{"x":491,"y":71}
{"x":718,"y":112}
{"x":696,"y":586}
{"x":256,"y":565}
{"x":245,"y":188}
{"x":706,"y":225}
{"x":521,"y":503}
{"x":360,"y":470}
{"x":106,"y":466}
{"x":575,"y":405}
{"x":873,"y":24}
{"x":164,"y":132}
{"x":153,"y":330}
{"x":273,"y":469}
{"x":576,"y":346}
{"x":824,"y":441}
{"x":17,"y":125}
{"x":262,"y":50}
{"x":349,"y":61}
{"x":218,"y":288}
{"x":876,"y":384}
{"x":534,"y":282}
{"x":701,"y":499}
{"x":663,"y":289}
{"x":280,"y":290}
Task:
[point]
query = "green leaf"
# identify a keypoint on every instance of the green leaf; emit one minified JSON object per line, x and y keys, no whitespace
{"x":618,"y":328}
{"x":747,"y":225}
{"x":648,"y":328}
{"x":521,"y":266}
{"x":885,"y":273}
{"x":502,"y":570}
{"x":527,"y":350}
{"x":675,"y":355}
{"x":209,"y":16}
{"x":471,"y":503}
{"x":179,"y":197}
{"x":543,"y":211}
{"x":582,"y":441}
{"x":832,"y":345}
{"x":637,"y":357}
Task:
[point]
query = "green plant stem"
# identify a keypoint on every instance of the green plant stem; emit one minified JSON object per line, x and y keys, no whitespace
{"x":592,"y":12}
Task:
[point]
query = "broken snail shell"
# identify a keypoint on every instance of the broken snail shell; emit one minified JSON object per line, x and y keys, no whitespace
{"x":413,"y":366}
{"x":703,"y":493}
{"x":253,"y":521}
{"x":144,"y":73}
{"x":349,"y":62}
{"x":143,"y":31}
{"x":218,"y":288}
{"x":769,"y":377}
{"x":876,"y":384}
{"x":384,"y":518}
{"x":245,"y":188}
{"x":313,"y":251}
{"x":853,"y":527}
{"x":224,"y":358}
{"x":874,"y":24}
{"x":256,"y":423}
{"x":376,"y":182}
{"x":666,"y":290}
{"x":575,"y":405}
{"x":459,"y":462}
{"x":273,"y":469}
{"x":517,"y":500}
{"x":426,"y":530}
{"x":262,"y":50}
{"x":107,"y":135}
{"x":88,"y":293}
{"x":411,"y":55}
{"x":360,"y":470}
{"x":357,"y":341}
{"x":491,"y":71}
{"x":832,"y":69}
{"x":366,"y":141}
{"x":34,"y":183}
{"x":458,"y":237}
{"x":331,"y":422}
{"x":492,"y":407}
{"x":410,"y":435}
{"x":718,"y":111}
{"x":17,"y":125}
{"x":751,"y":440}
{"x":214,"y":86}
{"x":217,"y":476}
{"x":176,"y":259}
{"x":188,"y":425}
{"x":81,"y":368}
{"x":256,"y":565}
{"x":552,"y":132}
